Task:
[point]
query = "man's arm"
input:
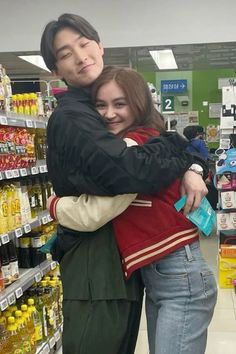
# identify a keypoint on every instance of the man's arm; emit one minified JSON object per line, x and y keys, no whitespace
{"x":103,"y":165}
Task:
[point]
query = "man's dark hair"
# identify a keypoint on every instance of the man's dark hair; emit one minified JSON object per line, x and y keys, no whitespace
{"x":190,"y":132}
{"x":74,"y":22}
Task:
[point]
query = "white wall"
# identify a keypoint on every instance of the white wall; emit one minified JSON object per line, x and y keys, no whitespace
{"x":121,"y":23}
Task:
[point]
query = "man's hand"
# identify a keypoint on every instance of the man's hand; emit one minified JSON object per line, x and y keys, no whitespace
{"x":195,"y":188}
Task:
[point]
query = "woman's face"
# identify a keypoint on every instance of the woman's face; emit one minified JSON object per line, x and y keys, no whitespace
{"x":111,"y":103}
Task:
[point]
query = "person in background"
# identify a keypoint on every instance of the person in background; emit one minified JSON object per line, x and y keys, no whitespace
{"x":101,"y":310}
{"x":195,"y":136}
{"x":150,"y":233}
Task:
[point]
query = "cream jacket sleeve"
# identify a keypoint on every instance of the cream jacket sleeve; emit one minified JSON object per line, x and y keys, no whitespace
{"x":88,"y":212}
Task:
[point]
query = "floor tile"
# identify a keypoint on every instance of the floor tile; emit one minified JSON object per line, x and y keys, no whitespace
{"x":221,"y":343}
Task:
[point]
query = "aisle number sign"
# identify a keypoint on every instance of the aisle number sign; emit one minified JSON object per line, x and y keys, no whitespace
{"x":168,"y":104}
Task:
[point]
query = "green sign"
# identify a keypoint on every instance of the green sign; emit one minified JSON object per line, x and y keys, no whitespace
{"x":168,"y":104}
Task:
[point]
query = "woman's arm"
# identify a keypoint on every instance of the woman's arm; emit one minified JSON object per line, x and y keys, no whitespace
{"x":87,"y":212}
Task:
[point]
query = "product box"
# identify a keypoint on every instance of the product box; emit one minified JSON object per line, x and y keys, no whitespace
{"x":227,"y":200}
{"x":226,"y":272}
{"x":228,"y":251}
{"x":223,"y":221}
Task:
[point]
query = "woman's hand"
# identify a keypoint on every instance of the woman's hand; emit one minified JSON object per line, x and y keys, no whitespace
{"x":195,"y":188}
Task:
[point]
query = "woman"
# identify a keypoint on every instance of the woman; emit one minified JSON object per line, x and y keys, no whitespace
{"x":150,"y":233}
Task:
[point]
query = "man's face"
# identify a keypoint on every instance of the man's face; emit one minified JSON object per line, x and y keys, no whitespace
{"x":79,"y":60}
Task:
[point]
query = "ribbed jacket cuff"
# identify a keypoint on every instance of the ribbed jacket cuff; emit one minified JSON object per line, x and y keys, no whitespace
{"x":52,"y":208}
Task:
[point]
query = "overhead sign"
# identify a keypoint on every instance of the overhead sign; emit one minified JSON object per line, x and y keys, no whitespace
{"x":174,"y":86}
{"x":168,"y":104}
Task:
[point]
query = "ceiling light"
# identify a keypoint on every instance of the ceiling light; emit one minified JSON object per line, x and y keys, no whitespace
{"x":36,"y":60}
{"x":164,"y":59}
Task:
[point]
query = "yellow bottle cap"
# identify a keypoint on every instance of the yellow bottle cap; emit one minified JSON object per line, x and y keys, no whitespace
{"x":30,"y":302}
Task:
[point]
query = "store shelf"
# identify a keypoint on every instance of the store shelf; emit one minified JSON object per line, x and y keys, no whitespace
{"x":42,"y":219}
{"x":27,"y":278}
{"x":52,"y":344}
{"x":40,"y":167}
{"x":16,"y":120}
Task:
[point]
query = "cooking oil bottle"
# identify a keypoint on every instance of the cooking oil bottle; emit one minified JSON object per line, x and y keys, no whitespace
{"x":29,"y":325}
{"x":14,"y":336}
{"x":5,"y":345}
{"x":37,"y":321}
{"x":22,"y":330}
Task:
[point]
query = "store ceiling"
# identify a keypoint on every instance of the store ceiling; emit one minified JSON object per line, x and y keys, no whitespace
{"x":188,"y":57}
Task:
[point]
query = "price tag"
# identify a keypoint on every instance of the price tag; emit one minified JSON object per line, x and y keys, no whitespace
{"x":3,"y":120}
{"x":57,"y":336}
{"x":53,"y":265}
{"x":23,"y":172}
{"x":50,"y":218}
{"x":52,"y":342}
{"x":27,"y":228}
{"x":5,"y":239}
{"x":11,"y":299}
{"x":34,"y":170}
{"x":44,"y":220}
{"x":1,"y":176}
{"x":43,"y":169}
{"x":9,"y":174}
{"x":3,"y":304}
{"x":18,"y":232}
{"x":29,"y":123}
{"x":46,"y":349}
{"x":16,"y":173}
{"x":38,"y":277}
{"x":19,"y":293}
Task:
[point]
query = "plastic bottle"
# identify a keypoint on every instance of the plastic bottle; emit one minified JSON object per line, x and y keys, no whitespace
{"x":42,"y":310}
{"x":5,"y":265}
{"x":24,"y":252}
{"x":22,"y":330}
{"x":13,"y":260}
{"x":14,"y":336}
{"x":29,"y":325}
{"x":5,"y":345}
{"x":37,"y":321}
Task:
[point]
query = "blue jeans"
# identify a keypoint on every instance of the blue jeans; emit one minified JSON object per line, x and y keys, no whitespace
{"x":181,"y":294}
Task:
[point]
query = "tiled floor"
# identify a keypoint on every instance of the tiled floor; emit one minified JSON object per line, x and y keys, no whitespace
{"x":222,"y":330}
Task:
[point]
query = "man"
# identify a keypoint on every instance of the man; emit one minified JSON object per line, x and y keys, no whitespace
{"x":101,"y":311}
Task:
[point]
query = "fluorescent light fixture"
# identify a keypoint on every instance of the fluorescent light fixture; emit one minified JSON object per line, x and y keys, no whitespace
{"x":36,"y":60}
{"x":164,"y":59}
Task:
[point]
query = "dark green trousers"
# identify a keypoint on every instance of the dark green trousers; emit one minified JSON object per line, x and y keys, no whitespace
{"x":100,"y":327}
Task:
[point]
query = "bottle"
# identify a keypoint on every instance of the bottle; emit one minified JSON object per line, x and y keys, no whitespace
{"x":37,"y":256}
{"x":26,"y":104}
{"x":13,"y":260}
{"x":2,"y":284}
{"x":32,"y":198}
{"x":29,"y":325}
{"x":42,"y":310}
{"x":37,"y":321}
{"x":6,"y":268}
{"x":50,"y":314}
{"x":24,"y":252}
{"x":22,"y":330}
{"x":14,"y":336}
{"x":44,"y":192}
{"x":38,"y":194}
{"x":5,"y":345}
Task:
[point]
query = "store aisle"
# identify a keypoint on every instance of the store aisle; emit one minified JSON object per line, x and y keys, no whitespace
{"x":222,"y":331}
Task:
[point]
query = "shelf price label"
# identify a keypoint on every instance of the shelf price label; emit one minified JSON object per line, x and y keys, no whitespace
{"x":23,"y":172}
{"x":34,"y":170}
{"x":5,"y":239}
{"x":27,"y":228}
{"x":19,"y":292}
{"x":29,"y":123}
{"x":3,"y":120}
{"x":53,"y":265}
{"x":38,"y":277}
{"x":46,"y":350}
{"x":16,"y":173}
{"x":52,"y":342}
{"x":9,"y":174}
{"x":44,"y":219}
{"x":11,"y":299}
{"x":3,"y":304}
{"x":18,"y":232}
{"x":57,"y":336}
{"x":43,"y":169}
